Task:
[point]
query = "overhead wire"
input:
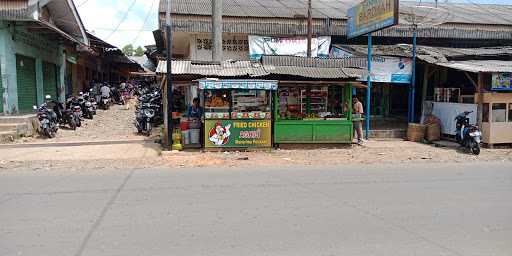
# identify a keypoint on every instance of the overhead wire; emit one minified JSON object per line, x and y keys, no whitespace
{"x":145,"y":21}
{"x":122,"y":19}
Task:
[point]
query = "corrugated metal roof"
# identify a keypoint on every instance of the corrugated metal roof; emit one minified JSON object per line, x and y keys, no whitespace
{"x":300,"y":68}
{"x":271,"y":60}
{"x":476,"y":66}
{"x":336,"y":9}
{"x":227,"y":69}
{"x":15,"y":9}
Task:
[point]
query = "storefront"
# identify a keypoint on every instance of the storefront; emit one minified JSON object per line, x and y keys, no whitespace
{"x":311,"y":112}
{"x":237,"y":113}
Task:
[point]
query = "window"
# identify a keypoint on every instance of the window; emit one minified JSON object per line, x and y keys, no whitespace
{"x":485,"y":113}
{"x":510,"y":112}
{"x":499,"y":111}
{"x":312,"y":102}
{"x":216,"y":103}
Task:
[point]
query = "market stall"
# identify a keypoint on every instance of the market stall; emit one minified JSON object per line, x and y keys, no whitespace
{"x":496,"y":117}
{"x":313,"y":112}
{"x":237,"y":113}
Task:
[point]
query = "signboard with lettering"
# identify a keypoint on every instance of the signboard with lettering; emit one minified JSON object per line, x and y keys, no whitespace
{"x":502,"y":81}
{"x":391,"y":70}
{"x":238,"y":134}
{"x":289,"y":46}
{"x":371,"y":15}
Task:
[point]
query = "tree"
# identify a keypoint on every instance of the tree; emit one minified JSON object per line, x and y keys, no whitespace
{"x":128,"y":50}
{"x":139,"y":51}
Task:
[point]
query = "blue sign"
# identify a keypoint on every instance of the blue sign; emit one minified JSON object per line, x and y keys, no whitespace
{"x":370,"y":16}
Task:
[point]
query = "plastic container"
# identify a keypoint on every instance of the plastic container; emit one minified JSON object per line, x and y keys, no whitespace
{"x":184,"y":126}
{"x":185,"y":134}
{"x":195,"y":136}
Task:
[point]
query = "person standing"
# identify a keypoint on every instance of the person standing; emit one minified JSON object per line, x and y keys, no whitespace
{"x":357,"y":119}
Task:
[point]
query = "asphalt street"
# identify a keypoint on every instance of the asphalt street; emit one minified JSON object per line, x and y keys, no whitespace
{"x":416,"y":209}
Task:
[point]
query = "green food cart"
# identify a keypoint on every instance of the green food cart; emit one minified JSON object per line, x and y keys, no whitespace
{"x":313,"y":112}
{"x":238,"y":113}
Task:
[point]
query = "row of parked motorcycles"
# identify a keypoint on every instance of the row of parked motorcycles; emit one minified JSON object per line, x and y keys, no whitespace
{"x":53,"y":114}
{"x":149,"y":112}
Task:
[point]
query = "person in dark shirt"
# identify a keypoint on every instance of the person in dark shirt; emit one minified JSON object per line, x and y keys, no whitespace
{"x":195,"y":111}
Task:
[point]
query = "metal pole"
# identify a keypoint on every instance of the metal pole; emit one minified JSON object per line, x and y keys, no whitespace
{"x":310,"y":29}
{"x":369,"y":89}
{"x":217,"y":30}
{"x":413,"y":77}
{"x":170,"y":124}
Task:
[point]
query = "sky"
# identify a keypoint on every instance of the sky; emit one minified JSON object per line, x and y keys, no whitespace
{"x":122,"y":22}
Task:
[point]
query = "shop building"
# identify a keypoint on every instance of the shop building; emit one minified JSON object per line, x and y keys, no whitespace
{"x":34,"y":36}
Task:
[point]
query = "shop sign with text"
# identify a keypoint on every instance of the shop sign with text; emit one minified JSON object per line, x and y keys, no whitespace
{"x":238,"y":133}
{"x":370,"y":16}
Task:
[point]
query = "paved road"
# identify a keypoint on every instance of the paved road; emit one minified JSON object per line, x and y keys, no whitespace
{"x":408,"y":210}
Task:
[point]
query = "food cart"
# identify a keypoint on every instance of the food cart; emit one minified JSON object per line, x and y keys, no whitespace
{"x":237,"y":113}
{"x":313,"y":112}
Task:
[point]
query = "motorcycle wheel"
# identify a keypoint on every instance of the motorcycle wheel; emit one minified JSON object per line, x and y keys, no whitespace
{"x":79,"y":123}
{"x":149,"y":127}
{"x":47,"y":132}
{"x":91,"y":116}
{"x":474,"y":147}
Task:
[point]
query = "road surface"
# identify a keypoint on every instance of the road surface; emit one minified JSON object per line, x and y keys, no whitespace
{"x":415,"y":209}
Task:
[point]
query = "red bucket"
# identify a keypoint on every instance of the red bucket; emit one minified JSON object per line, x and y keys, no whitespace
{"x":184,"y":126}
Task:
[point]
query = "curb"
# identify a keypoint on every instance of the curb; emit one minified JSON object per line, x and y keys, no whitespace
{"x":77,"y":143}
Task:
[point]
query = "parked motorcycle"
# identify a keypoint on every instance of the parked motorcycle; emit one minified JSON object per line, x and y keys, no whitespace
{"x":86,"y":107}
{"x":47,"y":121}
{"x":73,"y":104}
{"x":468,"y":136}
{"x":144,"y":119}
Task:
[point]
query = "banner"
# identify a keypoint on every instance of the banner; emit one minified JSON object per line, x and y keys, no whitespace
{"x":371,"y":15}
{"x":238,"y":134}
{"x":290,"y":46}
{"x":391,"y":70}
{"x":502,"y":81}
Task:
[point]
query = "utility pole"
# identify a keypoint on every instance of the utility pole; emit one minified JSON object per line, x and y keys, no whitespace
{"x":170,"y":124}
{"x":217,"y":30}
{"x":310,"y":29}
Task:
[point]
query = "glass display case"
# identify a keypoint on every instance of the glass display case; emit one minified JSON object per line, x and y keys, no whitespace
{"x":312,"y":103}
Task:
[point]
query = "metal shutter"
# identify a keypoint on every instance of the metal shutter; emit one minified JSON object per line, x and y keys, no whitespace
{"x":50,"y":80}
{"x":26,"y":83}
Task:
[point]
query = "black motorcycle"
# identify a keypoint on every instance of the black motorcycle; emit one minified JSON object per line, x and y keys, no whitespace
{"x":74,"y":105}
{"x":144,"y":119}
{"x":86,"y":107}
{"x":468,"y":136}
{"x":48,"y":126}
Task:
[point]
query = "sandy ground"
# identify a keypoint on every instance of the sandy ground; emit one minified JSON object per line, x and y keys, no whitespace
{"x":113,"y":124}
{"x":145,"y":155}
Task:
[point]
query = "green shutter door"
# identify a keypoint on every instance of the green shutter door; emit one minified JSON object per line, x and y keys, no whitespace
{"x":26,"y":83}
{"x":50,"y":80}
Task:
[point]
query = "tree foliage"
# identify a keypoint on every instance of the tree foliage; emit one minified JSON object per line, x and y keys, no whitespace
{"x":139,"y":51}
{"x":128,"y":50}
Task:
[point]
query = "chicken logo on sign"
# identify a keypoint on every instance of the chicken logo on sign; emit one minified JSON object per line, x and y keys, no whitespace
{"x":219,"y":135}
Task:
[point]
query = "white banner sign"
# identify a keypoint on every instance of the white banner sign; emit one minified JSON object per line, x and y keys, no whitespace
{"x":291,"y":46}
{"x":391,"y":70}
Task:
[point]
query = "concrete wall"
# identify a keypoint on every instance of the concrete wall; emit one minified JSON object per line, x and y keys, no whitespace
{"x":18,"y":40}
{"x":198,"y":46}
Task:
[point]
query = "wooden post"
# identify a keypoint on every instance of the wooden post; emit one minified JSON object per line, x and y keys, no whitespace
{"x":480,"y":98}
{"x":424,"y":86}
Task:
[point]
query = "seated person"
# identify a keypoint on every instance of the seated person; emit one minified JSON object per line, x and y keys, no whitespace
{"x":195,"y":111}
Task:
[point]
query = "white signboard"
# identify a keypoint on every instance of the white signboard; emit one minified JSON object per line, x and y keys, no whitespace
{"x":391,"y":70}
{"x":290,"y":46}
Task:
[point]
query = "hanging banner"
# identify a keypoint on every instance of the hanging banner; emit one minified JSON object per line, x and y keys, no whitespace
{"x":238,"y":134}
{"x":371,"y":15}
{"x":502,"y":81}
{"x":391,"y":70}
{"x":238,"y":84}
{"x":289,"y":46}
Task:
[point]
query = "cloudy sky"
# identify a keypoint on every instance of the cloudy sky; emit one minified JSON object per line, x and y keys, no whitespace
{"x":122,"y":22}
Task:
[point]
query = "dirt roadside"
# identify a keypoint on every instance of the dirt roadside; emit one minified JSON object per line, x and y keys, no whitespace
{"x":149,"y":155}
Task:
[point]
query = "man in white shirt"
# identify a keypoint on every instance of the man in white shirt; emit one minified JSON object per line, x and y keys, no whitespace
{"x":105,"y":91}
